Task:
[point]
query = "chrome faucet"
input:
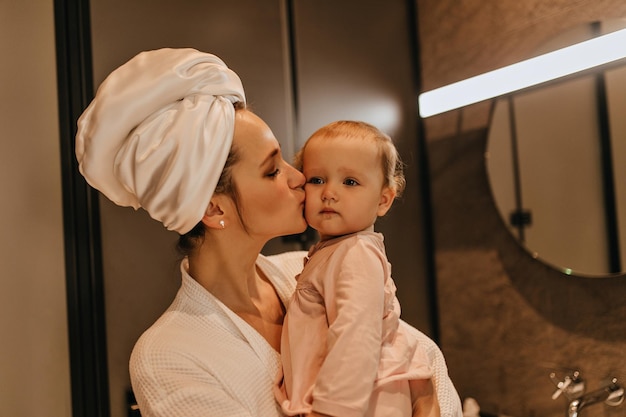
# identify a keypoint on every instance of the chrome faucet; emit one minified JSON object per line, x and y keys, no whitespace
{"x":572,"y":386}
{"x":612,"y":394}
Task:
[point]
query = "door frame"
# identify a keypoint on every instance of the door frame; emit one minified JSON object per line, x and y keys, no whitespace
{"x":81,"y":218}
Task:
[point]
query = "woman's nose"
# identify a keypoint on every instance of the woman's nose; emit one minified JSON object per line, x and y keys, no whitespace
{"x":296,"y":178}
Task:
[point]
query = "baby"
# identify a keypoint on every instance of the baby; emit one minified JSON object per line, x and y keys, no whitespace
{"x":344,"y":351}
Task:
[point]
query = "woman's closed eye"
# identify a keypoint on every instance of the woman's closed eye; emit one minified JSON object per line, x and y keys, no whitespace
{"x":273,"y":173}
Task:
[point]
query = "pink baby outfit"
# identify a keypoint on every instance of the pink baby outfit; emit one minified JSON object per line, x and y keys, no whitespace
{"x":344,"y":351}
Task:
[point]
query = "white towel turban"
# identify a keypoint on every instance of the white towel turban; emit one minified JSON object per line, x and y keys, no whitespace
{"x":158,"y":132}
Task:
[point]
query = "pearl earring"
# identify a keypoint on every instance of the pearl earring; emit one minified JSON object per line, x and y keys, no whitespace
{"x":222,"y":224}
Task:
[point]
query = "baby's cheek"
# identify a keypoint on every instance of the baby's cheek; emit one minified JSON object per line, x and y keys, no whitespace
{"x":309,"y":215}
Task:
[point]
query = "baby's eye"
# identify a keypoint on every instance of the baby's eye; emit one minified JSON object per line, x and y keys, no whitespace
{"x":315,"y":180}
{"x":351,"y":182}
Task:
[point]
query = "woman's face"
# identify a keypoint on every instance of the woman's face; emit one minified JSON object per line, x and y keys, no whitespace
{"x":271,"y":194}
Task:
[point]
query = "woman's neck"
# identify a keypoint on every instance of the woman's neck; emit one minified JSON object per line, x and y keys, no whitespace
{"x":229,"y":272}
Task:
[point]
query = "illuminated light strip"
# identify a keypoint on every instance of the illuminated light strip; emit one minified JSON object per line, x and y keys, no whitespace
{"x":581,"y":56}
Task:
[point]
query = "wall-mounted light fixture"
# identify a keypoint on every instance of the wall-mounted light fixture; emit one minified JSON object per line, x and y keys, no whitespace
{"x":562,"y":62}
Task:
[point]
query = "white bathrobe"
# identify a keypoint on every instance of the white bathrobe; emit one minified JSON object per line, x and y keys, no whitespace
{"x":199,"y":359}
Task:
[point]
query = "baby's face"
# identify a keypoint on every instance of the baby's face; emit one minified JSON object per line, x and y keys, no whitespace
{"x":344,"y":185}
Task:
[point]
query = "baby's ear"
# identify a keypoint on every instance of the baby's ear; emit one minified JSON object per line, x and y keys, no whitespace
{"x":387,"y":196}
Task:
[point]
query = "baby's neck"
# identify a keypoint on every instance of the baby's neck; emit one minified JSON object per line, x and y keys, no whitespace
{"x":324,"y":237}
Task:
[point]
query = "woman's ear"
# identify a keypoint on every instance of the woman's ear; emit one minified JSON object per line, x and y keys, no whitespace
{"x":387,"y":196}
{"x":214,"y":215}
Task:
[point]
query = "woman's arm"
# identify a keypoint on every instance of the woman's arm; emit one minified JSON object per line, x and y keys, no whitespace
{"x":448,"y":397}
{"x":177,"y":390}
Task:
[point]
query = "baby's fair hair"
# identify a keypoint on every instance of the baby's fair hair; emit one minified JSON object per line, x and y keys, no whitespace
{"x":393,"y":168}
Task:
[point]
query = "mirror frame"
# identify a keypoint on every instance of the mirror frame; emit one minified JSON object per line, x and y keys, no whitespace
{"x":517,"y":221}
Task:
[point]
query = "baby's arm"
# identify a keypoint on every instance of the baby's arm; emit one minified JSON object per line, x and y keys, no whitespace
{"x":354,"y":301}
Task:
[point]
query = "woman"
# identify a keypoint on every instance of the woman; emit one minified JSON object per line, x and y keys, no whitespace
{"x":168,"y":131}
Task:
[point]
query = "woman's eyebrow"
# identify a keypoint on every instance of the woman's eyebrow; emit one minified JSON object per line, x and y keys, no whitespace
{"x":270,"y":157}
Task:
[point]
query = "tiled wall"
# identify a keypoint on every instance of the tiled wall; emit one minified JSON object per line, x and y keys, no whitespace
{"x":507,"y":321}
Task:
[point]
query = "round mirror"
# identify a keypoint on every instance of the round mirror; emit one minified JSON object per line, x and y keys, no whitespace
{"x":556,"y":162}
